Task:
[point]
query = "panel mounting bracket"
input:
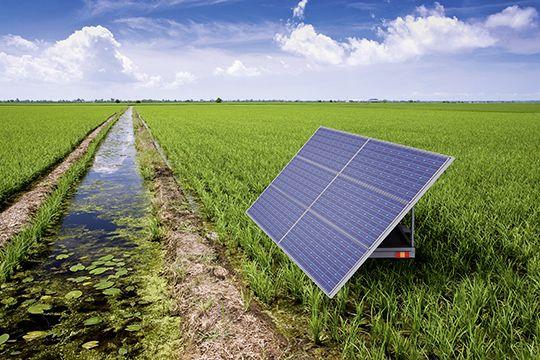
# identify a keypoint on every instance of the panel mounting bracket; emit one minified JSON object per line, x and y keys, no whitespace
{"x":399,"y":244}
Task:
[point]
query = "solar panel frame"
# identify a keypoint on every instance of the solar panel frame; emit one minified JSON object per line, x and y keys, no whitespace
{"x":408,"y":206}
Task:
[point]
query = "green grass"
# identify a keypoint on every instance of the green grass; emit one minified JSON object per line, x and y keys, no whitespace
{"x":49,"y":212}
{"x":473,"y":289}
{"x":35,"y":137}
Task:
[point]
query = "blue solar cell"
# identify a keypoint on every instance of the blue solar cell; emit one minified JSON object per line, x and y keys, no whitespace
{"x":331,"y":149}
{"x":362,"y":213}
{"x":334,"y":203}
{"x":325,"y":254}
{"x":399,"y":171}
{"x":275,"y":213}
{"x":303,"y":181}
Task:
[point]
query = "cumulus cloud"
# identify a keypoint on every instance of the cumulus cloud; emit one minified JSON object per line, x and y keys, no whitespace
{"x":18,"y":42}
{"x":427,"y":31}
{"x":513,"y":17}
{"x":238,"y":69}
{"x":516,"y":29}
{"x":298,"y":11}
{"x":90,"y":54}
{"x":181,"y":78}
{"x":304,"y":40}
{"x":437,"y":10}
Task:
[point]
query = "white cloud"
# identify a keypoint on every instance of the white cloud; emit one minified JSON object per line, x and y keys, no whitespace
{"x":513,"y":17}
{"x":431,"y":32}
{"x":238,"y":69}
{"x":428,"y":31}
{"x":181,"y":78}
{"x":516,"y":29}
{"x":162,"y":58}
{"x":91,"y":54}
{"x":304,"y":40}
{"x":18,"y":42}
{"x":26,"y":67}
{"x":437,"y":10}
{"x":298,"y":11}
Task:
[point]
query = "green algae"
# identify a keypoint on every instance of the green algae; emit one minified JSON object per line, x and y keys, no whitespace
{"x":138,"y":294}
{"x":99,"y":271}
{"x":74,"y":294}
{"x":104,"y":285}
{"x":134,"y":327}
{"x":39,"y":308}
{"x":35,"y":335}
{"x":112,"y":292}
{"x":77,"y":267}
{"x":121,"y":272}
{"x":90,"y":344}
{"x":94,"y":320}
{"x":9,"y":301}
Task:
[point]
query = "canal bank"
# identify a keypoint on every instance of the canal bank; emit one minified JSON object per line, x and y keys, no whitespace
{"x":92,"y":288}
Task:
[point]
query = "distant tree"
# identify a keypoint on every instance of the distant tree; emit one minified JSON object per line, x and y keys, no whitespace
{"x":117,"y":101}
{"x":138,"y":101}
{"x":218,"y":100}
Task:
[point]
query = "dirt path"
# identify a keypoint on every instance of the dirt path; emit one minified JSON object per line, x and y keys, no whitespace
{"x":217,"y":323}
{"x":17,"y":215}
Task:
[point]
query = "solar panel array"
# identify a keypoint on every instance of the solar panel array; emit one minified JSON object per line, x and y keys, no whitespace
{"x":339,"y":197}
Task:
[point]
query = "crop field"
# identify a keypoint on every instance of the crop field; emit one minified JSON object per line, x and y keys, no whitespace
{"x":34,"y":137}
{"x":472,"y":290}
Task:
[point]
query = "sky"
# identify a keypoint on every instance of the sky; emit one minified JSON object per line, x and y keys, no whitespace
{"x":251,"y":49}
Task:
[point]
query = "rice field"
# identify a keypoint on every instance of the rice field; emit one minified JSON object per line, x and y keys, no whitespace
{"x":35,"y":137}
{"x":472,"y":290}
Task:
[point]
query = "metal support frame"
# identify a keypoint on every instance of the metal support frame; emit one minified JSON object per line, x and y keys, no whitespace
{"x":412,"y":227}
{"x":404,"y":236}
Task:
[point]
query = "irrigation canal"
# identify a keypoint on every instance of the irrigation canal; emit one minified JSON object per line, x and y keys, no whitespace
{"x":76,"y":295}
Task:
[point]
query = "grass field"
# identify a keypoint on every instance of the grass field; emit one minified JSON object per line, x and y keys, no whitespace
{"x":34,"y":137}
{"x":473,"y":289}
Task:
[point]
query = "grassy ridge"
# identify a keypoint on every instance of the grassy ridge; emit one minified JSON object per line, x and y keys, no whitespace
{"x":17,"y":247}
{"x":473,"y":289}
{"x":35,"y":137}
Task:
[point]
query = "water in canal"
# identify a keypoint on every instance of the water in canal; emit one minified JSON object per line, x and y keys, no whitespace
{"x":76,"y":296}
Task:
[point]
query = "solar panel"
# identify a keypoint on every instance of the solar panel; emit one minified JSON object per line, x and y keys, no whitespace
{"x":339,"y":197}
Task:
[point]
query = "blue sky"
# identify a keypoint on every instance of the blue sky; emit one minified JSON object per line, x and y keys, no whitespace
{"x":308,"y":49}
